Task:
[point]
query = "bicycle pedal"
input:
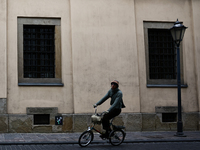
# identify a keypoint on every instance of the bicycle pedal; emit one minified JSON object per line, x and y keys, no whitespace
{"x":103,"y":137}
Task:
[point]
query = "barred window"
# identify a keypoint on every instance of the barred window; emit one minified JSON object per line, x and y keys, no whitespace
{"x":160,"y":50}
{"x":39,"y":51}
{"x":162,"y":54}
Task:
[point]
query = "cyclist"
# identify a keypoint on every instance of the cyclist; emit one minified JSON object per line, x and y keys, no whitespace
{"x":116,"y":104}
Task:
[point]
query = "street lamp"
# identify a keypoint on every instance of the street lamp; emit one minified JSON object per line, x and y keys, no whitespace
{"x":177,"y":32}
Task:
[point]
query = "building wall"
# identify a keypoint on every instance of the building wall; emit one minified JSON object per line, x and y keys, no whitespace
{"x":104,"y":48}
{"x":166,"y":12}
{"x":195,"y":38}
{"x":101,"y":40}
{"x":20,"y":97}
{"x":3,"y":48}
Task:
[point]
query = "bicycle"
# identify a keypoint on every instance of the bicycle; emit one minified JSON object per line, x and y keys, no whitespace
{"x":116,"y":136}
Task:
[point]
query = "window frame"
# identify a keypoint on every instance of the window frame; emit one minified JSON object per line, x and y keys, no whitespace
{"x":159,"y":82}
{"x":57,"y":81}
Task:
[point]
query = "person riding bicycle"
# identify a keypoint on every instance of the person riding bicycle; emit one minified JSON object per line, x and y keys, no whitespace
{"x":116,"y":104}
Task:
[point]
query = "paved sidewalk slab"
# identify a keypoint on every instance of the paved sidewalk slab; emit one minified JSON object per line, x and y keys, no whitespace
{"x":72,"y":138}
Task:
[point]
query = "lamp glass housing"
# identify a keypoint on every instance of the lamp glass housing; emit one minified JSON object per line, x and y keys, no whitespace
{"x":177,"y":32}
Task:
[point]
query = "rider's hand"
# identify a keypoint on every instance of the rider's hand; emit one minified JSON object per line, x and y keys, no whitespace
{"x":106,"y":112}
{"x":95,"y":105}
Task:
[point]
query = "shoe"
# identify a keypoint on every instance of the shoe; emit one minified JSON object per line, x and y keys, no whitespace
{"x":104,"y":136}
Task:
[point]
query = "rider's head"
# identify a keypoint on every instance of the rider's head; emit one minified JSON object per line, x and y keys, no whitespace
{"x":114,"y":84}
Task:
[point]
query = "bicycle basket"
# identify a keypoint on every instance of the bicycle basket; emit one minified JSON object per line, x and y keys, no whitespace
{"x":96,"y":119}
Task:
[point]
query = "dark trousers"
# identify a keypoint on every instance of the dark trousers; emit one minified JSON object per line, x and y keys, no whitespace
{"x":106,"y":118}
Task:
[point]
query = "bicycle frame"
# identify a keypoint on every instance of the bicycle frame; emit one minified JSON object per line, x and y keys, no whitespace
{"x":93,"y":128}
{"x":116,"y":136}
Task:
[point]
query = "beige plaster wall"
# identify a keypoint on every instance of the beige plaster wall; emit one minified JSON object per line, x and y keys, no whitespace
{"x":20,"y":97}
{"x":101,"y":40}
{"x":166,"y":11}
{"x":3,"y":47}
{"x":196,"y":38}
{"x":104,"y":49}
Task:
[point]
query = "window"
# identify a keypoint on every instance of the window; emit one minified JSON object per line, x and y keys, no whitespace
{"x":41,"y":119}
{"x":169,"y":117}
{"x":39,"y":51}
{"x":160,"y":54}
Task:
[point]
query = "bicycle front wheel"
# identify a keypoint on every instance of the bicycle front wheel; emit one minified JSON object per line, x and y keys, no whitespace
{"x":116,"y":137}
{"x":85,"y":138}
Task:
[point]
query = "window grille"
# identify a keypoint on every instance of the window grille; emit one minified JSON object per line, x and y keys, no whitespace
{"x":41,"y":119}
{"x":39,"y":51}
{"x":169,"y":117}
{"x":162,"y":54}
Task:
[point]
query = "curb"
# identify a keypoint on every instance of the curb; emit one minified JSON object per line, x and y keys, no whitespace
{"x":37,"y":143}
{"x":95,"y":142}
{"x":162,"y":141}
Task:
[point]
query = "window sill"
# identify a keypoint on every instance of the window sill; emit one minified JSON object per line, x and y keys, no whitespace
{"x":41,"y":125}
{"x":40,"y":84}
{"x":165,"y":86}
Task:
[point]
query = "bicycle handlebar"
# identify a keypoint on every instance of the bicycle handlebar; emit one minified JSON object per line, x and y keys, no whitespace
{"x":101,"y":114}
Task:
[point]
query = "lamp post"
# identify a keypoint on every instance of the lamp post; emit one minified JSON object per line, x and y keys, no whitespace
{"x":177,"y":32}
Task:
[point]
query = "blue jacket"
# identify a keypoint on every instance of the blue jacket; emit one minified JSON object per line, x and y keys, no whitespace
{"x":116,"y":99}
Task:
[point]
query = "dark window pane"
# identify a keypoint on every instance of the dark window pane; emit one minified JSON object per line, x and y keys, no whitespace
{"x":39,"y":51}
{"x":169,"y":117}
{"x":41,"y":119}
{"x":162,"y":54}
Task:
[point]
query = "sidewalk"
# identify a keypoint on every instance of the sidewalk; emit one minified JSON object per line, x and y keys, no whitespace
{"x":72,"y":138}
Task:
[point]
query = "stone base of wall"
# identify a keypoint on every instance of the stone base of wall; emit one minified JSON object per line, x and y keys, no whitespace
{"x":3,"y":105}
{"x":11,"y":123}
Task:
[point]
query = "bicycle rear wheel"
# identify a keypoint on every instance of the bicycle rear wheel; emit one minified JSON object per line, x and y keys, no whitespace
{"x":116,"y":137}
{"x":85,"y":138}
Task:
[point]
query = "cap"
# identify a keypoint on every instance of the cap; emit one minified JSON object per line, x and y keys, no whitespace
{"x":115,"y":81}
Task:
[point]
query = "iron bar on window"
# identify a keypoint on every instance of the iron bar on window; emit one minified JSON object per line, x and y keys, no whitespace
{"x":162,"y":54}
{"x":39,"y":51}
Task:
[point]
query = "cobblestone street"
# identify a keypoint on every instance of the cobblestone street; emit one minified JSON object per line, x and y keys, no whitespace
{"x":134,"y":146}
